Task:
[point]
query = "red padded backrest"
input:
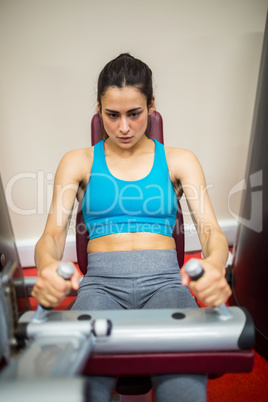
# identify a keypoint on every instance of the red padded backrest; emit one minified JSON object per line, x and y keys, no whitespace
{"x":154,"y":131}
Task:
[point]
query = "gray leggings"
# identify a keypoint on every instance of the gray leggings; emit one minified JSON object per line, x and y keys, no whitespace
{"x":135,"y":280}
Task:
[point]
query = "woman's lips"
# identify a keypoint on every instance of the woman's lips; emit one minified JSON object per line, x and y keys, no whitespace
{"x":125,"y":139}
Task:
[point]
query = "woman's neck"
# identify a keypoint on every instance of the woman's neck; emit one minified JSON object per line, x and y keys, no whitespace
{"x":143,"y":145}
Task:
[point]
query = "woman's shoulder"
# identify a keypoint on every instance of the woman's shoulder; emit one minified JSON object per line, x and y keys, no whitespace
{"x":78,"y":155}
{"x":182,"y":162}
{"x":76,"y":164}
{"x":179,"y":154}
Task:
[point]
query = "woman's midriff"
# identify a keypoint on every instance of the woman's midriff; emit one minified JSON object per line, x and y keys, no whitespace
{"x":131,"y":241}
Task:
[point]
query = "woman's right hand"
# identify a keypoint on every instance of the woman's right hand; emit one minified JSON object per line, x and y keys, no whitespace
{"x":50,"y":288}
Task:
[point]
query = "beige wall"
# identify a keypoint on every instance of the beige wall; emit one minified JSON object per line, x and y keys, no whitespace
{"x":205,"y":57}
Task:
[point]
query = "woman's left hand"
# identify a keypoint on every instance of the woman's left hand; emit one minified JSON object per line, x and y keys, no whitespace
{"x":212,"y":288}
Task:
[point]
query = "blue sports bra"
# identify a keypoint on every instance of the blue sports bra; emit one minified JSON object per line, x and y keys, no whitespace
{"x":112,"y":205}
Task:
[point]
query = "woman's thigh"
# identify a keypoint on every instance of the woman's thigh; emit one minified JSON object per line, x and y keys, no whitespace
{"x":95,"y":299}
{"x":171,"y":296}
{"x":180,"y":387}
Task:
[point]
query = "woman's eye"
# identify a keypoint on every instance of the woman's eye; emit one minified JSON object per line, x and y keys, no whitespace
{"x":134,"y":115}
{"x":113,"y":115}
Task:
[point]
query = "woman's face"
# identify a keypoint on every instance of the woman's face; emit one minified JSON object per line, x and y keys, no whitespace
{"x":124,"y":113}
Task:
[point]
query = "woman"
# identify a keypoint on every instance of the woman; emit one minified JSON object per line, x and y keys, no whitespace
{"x":128,"y":186}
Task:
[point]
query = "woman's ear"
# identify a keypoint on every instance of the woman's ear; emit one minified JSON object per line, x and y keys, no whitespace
{"x":151,"y":107}
{"x":99,"y":108}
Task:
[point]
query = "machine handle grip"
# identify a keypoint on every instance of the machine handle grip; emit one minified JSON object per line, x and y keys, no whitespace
{"x":65,"y":270}
{"x":195,"y":271}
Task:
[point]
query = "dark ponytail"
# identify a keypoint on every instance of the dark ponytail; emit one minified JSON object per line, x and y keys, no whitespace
{"x":126,"y":70}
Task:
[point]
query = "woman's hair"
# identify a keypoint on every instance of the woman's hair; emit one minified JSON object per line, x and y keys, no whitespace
{"x":126,"y":70}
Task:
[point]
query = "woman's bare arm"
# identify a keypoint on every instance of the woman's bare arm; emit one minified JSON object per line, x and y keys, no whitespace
{"x":212,"y":289}
{"x":50,"y":289}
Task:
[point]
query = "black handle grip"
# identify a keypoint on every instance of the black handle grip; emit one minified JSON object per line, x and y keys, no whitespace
{"x":194,"y":269}
{"x":66,"y":271}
